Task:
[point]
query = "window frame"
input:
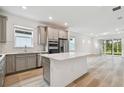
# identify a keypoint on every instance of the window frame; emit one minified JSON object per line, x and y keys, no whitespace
{"x":24,"y":29}
{"x":74,"y":45}
{"x":117,"y":41}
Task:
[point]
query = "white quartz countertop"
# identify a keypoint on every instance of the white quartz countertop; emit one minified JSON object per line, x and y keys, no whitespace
{"x":65,"y":56}
{"x":2,"y":57}
{"x":9,"y":53}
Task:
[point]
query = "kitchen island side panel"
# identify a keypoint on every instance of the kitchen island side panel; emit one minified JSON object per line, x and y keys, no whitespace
{"x":64,"y":72}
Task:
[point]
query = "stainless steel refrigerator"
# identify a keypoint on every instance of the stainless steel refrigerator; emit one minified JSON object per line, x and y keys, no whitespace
{"x":63,"y":45}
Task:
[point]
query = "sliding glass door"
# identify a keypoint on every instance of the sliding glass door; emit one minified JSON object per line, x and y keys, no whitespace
{"x":117,"y":47}
{"x":112,"y":47}
{"x":109,"y":47}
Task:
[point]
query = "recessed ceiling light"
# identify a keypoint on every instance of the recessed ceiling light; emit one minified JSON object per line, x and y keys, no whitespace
{"x":89,"y":42}
{"x":24,"y":7}
{"x":65,"y":23}
{"x":117,"y":29}
{"x":91,"y":33}
{"x":83,"y":41}
{"x":96,"y":35}
{"x":105,"y":33}
{"x":119,"y":32}
{"x":50,"y":18}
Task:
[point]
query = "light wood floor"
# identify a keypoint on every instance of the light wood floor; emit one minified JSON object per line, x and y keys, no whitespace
{"x":103,"y":71}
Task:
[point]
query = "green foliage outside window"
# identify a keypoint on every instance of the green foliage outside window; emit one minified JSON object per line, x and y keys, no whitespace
{"x":112,"y":47}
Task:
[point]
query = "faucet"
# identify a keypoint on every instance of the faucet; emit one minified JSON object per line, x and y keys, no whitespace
{"x":25,"y":48}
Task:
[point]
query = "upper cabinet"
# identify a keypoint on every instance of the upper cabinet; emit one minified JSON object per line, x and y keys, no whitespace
{"x":42,"y":35}
{"x":3,"y":29}
{"x":63,"y":34}
{"x":52,"y":34}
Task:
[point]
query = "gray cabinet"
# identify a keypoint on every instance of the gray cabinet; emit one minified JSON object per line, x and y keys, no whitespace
{"x":63,"y":34}
{"x":50,"y":34}
{"x":31,"y":61}
{"x":42,"y":35}
{"x":53,"y":34}
{"x":40,"y":59}
{"x":2,"y":72}
{"x":3,"y":29}
{"x":20,"y":62}
{"x":25,"y":61}
{"x":10,"y":64}
{"x":46,"y":69}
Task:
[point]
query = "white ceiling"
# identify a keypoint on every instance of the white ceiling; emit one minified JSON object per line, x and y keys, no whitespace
{"x":83,"y":19}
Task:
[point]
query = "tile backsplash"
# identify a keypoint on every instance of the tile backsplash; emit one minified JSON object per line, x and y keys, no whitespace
{"x":9,"y":48}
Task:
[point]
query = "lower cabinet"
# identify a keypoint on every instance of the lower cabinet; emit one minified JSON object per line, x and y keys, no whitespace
{"x":20,"y":62}
{"x":2,"y":72}
{"x":31,"y":61}
{"x":25,"y":61}
{"x":10,"y":64}
{"x":40,"y":59}
{"x":46,"y":70}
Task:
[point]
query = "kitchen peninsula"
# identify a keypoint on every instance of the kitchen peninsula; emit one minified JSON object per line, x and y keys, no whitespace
{"x":61,"y":69}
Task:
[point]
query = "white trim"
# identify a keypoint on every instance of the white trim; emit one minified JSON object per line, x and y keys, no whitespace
{"x":23,"y":27}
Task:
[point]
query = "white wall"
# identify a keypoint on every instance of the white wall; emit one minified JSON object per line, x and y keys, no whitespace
{"x":15,"y":20}
{"x":84,"y":43}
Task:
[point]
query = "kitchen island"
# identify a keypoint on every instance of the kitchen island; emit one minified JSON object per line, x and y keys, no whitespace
{"x":61,"y":69}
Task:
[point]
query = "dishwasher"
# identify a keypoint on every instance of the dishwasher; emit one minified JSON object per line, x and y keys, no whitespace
{"x":2,"y":72}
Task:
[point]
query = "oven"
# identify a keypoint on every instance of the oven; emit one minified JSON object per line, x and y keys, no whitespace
{"x":53,"y":47}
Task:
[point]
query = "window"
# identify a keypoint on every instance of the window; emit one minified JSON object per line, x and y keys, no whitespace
{"x":112,"y":47}
{"x":72,"y":44}
{"x":23,"y":37}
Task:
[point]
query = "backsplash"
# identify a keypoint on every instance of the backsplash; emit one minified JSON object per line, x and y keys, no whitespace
{"x":9,"y":48}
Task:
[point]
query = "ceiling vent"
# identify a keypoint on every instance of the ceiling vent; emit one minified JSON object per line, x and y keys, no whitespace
{"x":116,"y":8}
